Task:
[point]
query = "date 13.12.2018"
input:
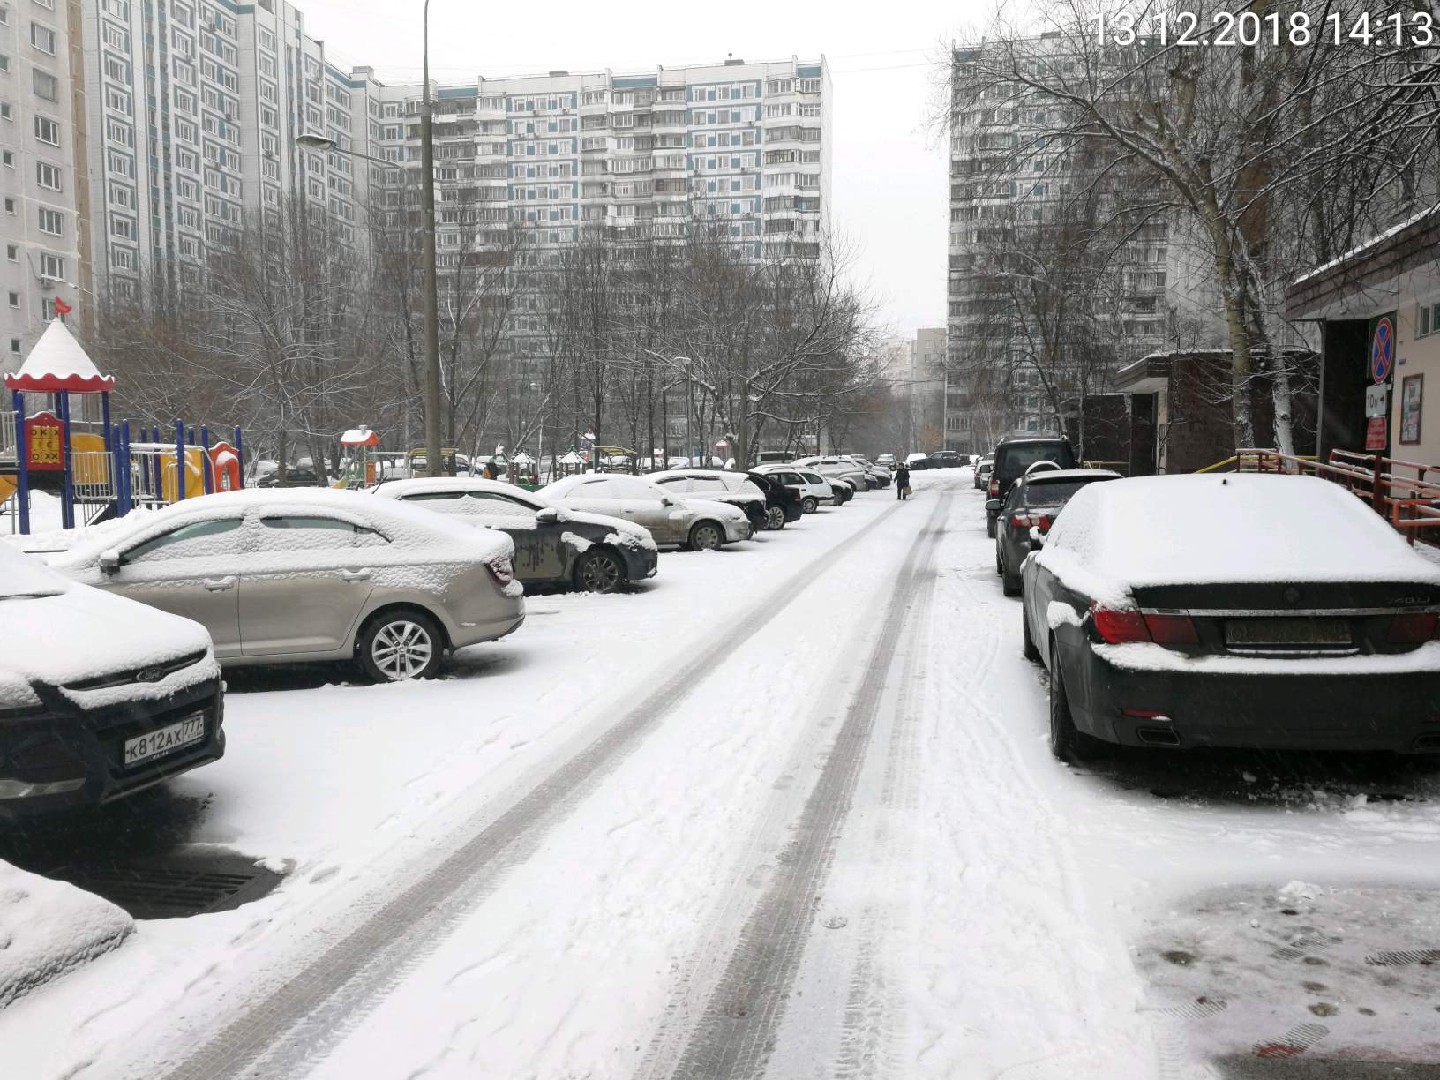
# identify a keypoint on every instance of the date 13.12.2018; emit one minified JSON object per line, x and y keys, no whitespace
{"x":1249,"y":29}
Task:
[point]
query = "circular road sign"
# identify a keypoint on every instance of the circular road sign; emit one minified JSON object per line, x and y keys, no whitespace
{"x":1382,"y":350}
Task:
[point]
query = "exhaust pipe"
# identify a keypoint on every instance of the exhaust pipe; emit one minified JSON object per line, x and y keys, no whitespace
{"x":1154,"y":736}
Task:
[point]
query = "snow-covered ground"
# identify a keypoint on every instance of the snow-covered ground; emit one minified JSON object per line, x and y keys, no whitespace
{"x":785,"y":810}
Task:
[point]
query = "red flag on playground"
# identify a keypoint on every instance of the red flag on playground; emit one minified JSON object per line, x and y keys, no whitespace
{"x":61,"y":307}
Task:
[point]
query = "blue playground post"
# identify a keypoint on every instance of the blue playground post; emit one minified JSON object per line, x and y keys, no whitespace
{"x":22,"y":475}
{"x":122,"y":468}
{"x":67,"y":488}
{"x":205,"y":471}
{"x":179,"y":460}
{"x":240,"y":454}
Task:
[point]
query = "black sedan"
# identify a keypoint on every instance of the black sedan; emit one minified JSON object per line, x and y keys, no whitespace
{"x":1272,"y":612}
{"x":553,"y":545}
{"x":1033,"y":502}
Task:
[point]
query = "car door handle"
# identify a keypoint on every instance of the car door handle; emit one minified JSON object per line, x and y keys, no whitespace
{"x":219,"y":584}
{"x":356,"y":575}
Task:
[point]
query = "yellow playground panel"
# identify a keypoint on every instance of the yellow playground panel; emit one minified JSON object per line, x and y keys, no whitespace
{"x":194,"y":474}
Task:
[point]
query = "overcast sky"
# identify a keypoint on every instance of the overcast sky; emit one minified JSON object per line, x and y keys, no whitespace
{"x":889,"y":182}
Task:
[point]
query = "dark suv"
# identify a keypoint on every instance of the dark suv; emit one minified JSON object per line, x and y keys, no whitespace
{"x":1012,"y":457}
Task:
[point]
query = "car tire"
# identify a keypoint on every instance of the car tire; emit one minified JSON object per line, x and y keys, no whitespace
{"x":1067,"y":742}
{"x":990,"y":527}
{"x":599,"y":571}
{"x":999,"y":563}
{"x":775,"y":517}
{"x":809,"y":504}
{"x":705,"y":536}
{"x":401,"y":645}
{"x":1027,"y":641}
{"x":1009,"y":583}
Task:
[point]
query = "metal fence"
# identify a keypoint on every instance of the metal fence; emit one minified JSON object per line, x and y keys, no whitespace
{"x":8,"y":443}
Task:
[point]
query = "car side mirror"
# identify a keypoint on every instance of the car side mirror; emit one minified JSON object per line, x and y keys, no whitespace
{"x":547,"y":515}
{"x":1037,"y":538}
{"x":993,"y":505}
{"x":665,"y":500}
{"x":109,"y":561}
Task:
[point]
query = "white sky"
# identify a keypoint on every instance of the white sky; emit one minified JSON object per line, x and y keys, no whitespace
{"x":889,"y":169}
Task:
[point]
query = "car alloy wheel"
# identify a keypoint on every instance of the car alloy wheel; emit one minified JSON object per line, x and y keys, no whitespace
{"x":401,"y":646}
{"x":598,"y":572}
{"x":706,"y":536}
{"x":809,"y":504}
{"x":775,"y":517}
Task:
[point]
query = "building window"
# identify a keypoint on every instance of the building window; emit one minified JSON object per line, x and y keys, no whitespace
{"x":1427,"y":319}
{"x":5,"y":110}
{"x":9,"y":205}
{"x":52,"y":266}
{"x":52,"y":221}
{"x":8,"y":159}
{"x":47,"y":175}
{"x":47,"y":131}
{"x":4,"y":62}
{"x":47,"y":87}
{"x":15,"y":300}
{"x":12,"y":252}
{"x":42,"y":38}
{"x":15,"y":345}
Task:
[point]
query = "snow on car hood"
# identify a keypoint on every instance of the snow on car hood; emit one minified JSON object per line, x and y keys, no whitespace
{"x":70,"y":632}
{"x":1163,"y":530}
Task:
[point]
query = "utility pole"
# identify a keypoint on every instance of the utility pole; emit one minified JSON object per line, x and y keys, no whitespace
{"x":432,"y":303}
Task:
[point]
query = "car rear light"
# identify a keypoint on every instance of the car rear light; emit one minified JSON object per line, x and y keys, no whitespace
{"x":1413,"y":628}
{"x":1021,"y":521}
{"x":1119,"y":627}
{"x":1172,"y":629}
{"x":502,"y":570}
{"x":1044,"y":522}
{"x":1144,"y":714}
{"x":994,"y":487}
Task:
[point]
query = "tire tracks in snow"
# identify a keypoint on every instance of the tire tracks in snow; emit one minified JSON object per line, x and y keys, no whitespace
{"x":733,"y":1035}
{"x":297,"y":1022}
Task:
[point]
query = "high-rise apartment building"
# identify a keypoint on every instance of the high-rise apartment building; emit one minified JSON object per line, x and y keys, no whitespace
{"x":39,"y":179}
{"x":1010,"y":183}
{"x":191,"y":111}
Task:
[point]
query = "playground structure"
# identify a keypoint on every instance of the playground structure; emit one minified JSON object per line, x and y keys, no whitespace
{"x":361,"y":461}
{"x":101,"y":469}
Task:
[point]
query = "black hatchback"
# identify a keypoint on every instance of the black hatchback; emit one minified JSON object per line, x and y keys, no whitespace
{"x":1012,"y":457}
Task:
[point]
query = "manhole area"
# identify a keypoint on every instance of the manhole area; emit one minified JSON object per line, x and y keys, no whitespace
{"x":1315,"y":977}
{"x":174,"y":886}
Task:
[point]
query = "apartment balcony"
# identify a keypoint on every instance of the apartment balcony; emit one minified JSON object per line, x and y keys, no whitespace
{"x":669,"y":122}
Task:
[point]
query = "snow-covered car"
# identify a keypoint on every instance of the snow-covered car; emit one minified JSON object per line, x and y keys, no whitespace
{"x":554,"y":545}
{"x":843,"y":466}
{"x":99,"y":696}
{"x":810,"y":486}
{"x":983,"y":468}
{"x":694,"y":523}
{"x":1235,"y":610}
{"x":282,"y":576}
{"x":886,"y":460}
{"x":719,"y":485}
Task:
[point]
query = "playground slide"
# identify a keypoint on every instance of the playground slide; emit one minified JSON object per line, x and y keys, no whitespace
{"x":7,"y":488}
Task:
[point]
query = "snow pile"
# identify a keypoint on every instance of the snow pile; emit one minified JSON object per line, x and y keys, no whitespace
{"x":48,"y":928}
{"x":1160,"y":530}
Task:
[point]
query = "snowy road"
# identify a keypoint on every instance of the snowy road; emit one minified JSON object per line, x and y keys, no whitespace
{"x":787,"y":812}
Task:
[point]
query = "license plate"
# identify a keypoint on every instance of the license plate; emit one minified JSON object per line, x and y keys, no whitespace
{"x":1287,"y":632}
{"x":165,"y":740}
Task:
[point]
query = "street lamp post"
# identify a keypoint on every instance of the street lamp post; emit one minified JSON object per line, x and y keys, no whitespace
{"x":432,"y":303}
{"x":318,"y":141}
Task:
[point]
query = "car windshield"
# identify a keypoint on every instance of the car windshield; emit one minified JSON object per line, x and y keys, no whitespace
{"x":1018,"y":458}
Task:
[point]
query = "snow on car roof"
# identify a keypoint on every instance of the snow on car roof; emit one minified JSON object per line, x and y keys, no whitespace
{"x":407,"y":525}
{"x":1067,"y":476}
{"x":398,"y":489}
{"x":1159,"y":530}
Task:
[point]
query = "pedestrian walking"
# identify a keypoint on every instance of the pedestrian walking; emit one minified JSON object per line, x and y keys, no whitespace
{"x":902,"y":483}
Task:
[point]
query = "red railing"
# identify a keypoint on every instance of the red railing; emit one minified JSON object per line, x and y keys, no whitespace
{"x":1405,"y":493}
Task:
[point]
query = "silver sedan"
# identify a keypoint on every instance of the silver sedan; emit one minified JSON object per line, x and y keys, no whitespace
{"x":693,"y":523}
{"x":279,"y":576}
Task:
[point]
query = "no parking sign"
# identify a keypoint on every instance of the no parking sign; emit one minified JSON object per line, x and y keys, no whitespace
{"x":1382,"y":349}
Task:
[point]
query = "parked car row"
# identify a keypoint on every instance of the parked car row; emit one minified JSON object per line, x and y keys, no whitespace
{"x":114,"y":684}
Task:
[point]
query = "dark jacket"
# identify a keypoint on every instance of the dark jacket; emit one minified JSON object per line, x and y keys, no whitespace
{"x":902,"y":476}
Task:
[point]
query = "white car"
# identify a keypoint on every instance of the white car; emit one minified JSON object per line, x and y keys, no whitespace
{"x":670,"y":519}
{"x":812,"y":488}
{"x":720,"y":485}
{"x":99,"y":696}
{"x":312,"y":574}
{"x":843,"y":466}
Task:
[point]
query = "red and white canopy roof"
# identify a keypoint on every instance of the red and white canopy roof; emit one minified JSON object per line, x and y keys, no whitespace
{"x":57,"y":362}
{"x":360,"y":437}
